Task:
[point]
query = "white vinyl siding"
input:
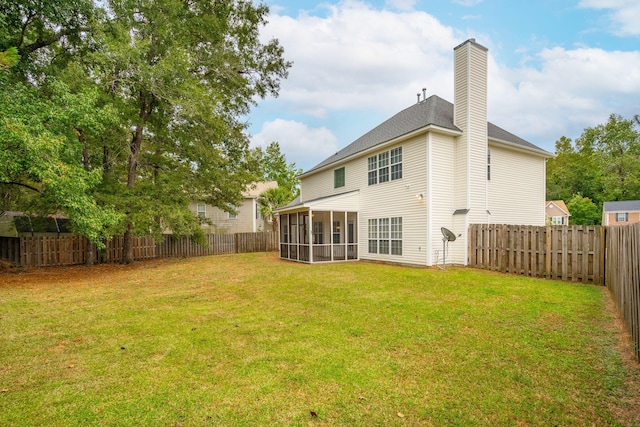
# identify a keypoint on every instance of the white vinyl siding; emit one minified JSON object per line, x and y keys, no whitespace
{"x":398,"y":198}
{"x":517,"y":187}
{"x":321,"y":183}
{"x":442,"y":187}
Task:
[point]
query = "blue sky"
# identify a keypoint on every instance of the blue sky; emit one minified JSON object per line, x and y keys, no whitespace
{"x":555,"y":66}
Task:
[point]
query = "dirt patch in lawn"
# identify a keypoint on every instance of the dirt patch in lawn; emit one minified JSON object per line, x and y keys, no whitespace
{"x":45,"y":277}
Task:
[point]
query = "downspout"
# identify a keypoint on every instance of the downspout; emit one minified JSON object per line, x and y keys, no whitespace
{"x":429,"y":207}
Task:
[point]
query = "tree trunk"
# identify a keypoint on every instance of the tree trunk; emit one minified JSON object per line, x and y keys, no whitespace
{"x":146,"y":107}
{"x":136,"y":142}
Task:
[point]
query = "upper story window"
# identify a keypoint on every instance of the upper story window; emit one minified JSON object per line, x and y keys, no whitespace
{"x":384,"y":166}
{"x":202,"y":210}
{"x":338,"y":178}
{"x":622,"y":217}
{"x":488,"y":165}
{"x":233,"y":215}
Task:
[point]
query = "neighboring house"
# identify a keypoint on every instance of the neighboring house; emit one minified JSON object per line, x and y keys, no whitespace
{"x":17,"y":224}
{"x":435,"y":164}
{"x":556,"y":213}
{"x":621,"y":213}
{"x":247,"y":218}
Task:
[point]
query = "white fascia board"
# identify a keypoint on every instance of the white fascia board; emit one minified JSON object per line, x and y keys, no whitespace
{"x":401,"y":138}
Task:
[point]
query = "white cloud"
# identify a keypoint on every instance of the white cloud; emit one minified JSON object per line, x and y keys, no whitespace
{"x":624,"y":15}
{"x":302,"y":145}
{"x":357,"y":55}
{"x":571,"y":90}
{"x":356,"y":61}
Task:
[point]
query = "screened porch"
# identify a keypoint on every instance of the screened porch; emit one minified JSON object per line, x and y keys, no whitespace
{"x":319,"y":236}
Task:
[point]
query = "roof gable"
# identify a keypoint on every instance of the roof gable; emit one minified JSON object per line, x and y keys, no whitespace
{"x":434,"y":111}
{"x":559,"y":204}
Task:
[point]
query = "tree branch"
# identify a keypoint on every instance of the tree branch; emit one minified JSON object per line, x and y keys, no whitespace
{"x":40,"y":43}
{"x":21,"y":185}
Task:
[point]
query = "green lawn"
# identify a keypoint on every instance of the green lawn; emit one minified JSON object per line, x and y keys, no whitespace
{"x":252,"y":340}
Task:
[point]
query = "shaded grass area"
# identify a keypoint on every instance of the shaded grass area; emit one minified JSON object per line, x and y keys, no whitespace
{"x":252,"y":340}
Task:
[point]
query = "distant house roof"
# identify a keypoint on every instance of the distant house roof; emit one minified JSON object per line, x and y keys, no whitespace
{"x":560,"y":204}
{"x":624,"y":205}
{"x":434,"y":111}
{"x":256,"y":188}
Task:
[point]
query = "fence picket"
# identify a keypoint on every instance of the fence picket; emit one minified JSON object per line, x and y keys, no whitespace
{"x":44,"y":251}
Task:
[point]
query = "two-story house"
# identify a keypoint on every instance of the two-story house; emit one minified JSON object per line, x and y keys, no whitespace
{"x":246,"y":217}
{"x":387,"y":195}
{"x":556,"y":212}
{"x":622,"y":212}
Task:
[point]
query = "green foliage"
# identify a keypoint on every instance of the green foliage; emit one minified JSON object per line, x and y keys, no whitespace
{"x":120,"y":117}
{"x":39,"y":151}
{"x":9,"y":58}
{"x":272,"y":199}
{"x":584,"y":211}
{"x":602,"y":165}
{"x":274,"y":167}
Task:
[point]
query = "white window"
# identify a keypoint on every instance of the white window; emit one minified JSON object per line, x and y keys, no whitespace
{"x":233,"y":215}
{"x":384,"y":166}
{"x":202,"y":210}
{"x":373,"y":236}
{"x":396,"y":236}
{"x":557,"y":220}
{"x":488,"y":165}
{"x":622,"y":217}
{"x":385,"y":236}
{"x":373,"y":170}
{"x":396,"y":163}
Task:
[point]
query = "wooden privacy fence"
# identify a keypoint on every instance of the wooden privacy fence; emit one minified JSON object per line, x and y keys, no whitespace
{"x":572,"y":253}
{"x":623,"y":276}
{"x":43,"y":251}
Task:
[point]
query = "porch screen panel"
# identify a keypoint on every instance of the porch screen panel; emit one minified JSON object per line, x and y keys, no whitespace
{"x":294,"y":228}
{"x":284,"y":229}
{"x":318,"y":236}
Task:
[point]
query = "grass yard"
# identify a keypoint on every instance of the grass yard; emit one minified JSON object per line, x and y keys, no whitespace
{"x":252,"y":340}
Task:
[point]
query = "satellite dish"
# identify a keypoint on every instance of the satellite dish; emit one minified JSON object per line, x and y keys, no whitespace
{"x":448,"y":234}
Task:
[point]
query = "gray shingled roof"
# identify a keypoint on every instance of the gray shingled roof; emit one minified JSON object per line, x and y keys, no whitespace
{"x":624,"y":205}
{"x":433,"y":111}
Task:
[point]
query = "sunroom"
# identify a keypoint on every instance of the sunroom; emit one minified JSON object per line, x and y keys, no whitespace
{"x":320,"y":230}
